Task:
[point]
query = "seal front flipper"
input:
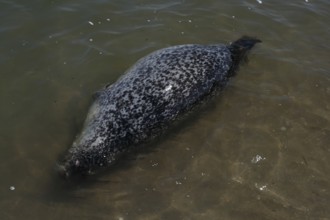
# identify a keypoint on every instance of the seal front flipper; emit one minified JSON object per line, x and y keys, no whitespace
{"x":98,"y":93}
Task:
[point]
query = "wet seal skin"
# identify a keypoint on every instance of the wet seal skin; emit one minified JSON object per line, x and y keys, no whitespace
{"x":154,"y":92}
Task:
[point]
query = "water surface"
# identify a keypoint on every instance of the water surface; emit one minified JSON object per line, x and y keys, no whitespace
{"x":260,"y":150}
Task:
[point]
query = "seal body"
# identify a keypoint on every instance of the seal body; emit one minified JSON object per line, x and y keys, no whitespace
{"x":155,"y":91}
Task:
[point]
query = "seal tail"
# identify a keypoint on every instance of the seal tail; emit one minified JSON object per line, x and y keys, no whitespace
{"x":239,"y":50}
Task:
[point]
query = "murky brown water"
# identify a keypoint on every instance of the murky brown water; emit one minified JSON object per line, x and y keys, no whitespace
{"x":260,"y":150}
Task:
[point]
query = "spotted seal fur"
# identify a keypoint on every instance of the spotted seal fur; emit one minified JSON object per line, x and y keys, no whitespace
{"x":155,"y":91}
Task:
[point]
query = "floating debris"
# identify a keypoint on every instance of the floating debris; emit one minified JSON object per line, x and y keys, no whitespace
{"x":257,"y":158}
{"x":12,"y":188}
{"x":154,"y":165}
{"x":261,"y":188}
{"x":178,"y":183}
{"x":91,"y":23}
{"x":259,"y":1}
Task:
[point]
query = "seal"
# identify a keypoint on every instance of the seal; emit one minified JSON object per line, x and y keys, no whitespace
{"x":157,"y":90}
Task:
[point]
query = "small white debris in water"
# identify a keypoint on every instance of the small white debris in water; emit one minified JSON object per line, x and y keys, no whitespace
{"x":148,"y":20}
{"x":259,"y":1}
{"x":91,"y":23}
{"x":257,"y":158}
{"x":233,"y":16}
{"x":182,"y":32}
{"x":91,"y":39}
{"x":261,"y":188}
{"x":120,"y":218}
{"x":178,"y":183}
{"x":306,"y":0}
{"x":189,"y":21}
{"x":12,"y":188}
{"x":108,"y":19}
{"x":188,"y":196}
{"x":187,"y":148}
{"x":154,"y":165}
{"x":203,"y":174}
{"x":64,"y":62}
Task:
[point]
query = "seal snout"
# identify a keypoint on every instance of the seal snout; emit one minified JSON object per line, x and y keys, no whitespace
{"x":62,"y":171}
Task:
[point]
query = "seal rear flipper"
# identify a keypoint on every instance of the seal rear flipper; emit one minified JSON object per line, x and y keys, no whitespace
{"x":96,"y":94}
{"x":239,"y":49}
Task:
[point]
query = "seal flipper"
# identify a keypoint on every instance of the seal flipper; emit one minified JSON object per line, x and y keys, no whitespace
{"x":96,"y":94}
{"x":239,"y":49}
{"x":99,"y":92}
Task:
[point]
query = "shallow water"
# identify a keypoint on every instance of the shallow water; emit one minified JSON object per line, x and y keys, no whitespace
{"x":260,"y":150}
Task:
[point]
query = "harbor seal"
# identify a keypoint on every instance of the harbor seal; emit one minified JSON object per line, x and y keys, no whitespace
{"x":154,"y":92}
